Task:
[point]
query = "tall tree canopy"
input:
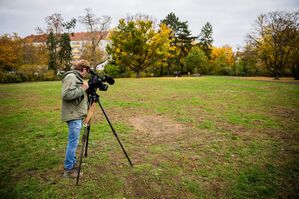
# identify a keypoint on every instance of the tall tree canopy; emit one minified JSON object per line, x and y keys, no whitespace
{"x":52,"y":46}
{"x":137,"y":45}
{"x":222,"y":60}
{"x":65,"y":51}
{"x":10,"y":52}
{"x":98,"y":30}
{"x":275,"y":38}
{"x":58,"y":41}
{"x":196,"y":61}
{"x":206,"y":39}
{"x":182,"y":39}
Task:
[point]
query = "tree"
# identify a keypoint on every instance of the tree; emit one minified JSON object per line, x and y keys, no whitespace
{"x":181,"y":40}
{"x":10,"y":52}
{"x":196,"y":61}
{"x":65,"y":51}
{"x":98,"y":30}
{"x":87,"y":53}
{"x":246,"y":61}
{"x":58,"y":41}
{"x":184,"y":42}
{"x":295,"y":56}
{"x":274,"y":38}
{"x":69,"y":25}
{"x":54,"y":27}
{"x":222,"y":60}
{"x":52,"y":45}
{"x":20,"y":59}
{"x":138,"y":45}
{"x":54,"y":24}
{"x":206,"y":40}
{"x":34,"y":54}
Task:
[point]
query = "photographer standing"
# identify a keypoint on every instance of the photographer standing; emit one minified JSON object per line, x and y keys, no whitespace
{"x":74,"y":109}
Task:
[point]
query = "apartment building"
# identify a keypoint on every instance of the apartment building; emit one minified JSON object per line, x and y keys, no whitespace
{"x":78,"y":41}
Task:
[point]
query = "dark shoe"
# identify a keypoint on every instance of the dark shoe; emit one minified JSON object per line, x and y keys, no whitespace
{"x":70,"y":173}
{"x":76,"y":166}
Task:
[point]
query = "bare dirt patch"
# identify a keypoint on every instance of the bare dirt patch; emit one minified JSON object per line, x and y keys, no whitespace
{"x":156,"y":125}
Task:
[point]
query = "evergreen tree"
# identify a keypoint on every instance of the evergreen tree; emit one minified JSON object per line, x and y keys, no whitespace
{"x":58,"y":43}
{"x":69,"y":25}
{"x":65,"y":51}
{"x":182,"y":40}
{"x":52,"y":45}
{"x":172,"y":22}
{"x":206,"y":40}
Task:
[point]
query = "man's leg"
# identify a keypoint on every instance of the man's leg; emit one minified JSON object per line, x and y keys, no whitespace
{"x":74,"y":127}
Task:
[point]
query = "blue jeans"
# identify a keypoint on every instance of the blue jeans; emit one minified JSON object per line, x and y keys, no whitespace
{"x":74,"y":127}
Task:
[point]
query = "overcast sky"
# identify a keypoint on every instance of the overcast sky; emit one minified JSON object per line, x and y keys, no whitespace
{"x":231,"y":19}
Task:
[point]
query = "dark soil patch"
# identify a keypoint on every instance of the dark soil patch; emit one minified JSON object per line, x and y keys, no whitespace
{"x":155,"y":125}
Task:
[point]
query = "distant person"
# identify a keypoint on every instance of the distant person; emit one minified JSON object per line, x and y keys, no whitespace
{"x":74,"y":109}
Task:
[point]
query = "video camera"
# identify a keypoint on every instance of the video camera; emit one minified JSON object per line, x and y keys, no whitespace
{"x":97,"y":81}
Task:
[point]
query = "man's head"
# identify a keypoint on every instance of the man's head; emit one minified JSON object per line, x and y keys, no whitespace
{"x":82,"y":66}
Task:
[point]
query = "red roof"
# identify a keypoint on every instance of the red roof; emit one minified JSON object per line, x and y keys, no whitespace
{"x":36,"y":38}
{"x":81,"y":36}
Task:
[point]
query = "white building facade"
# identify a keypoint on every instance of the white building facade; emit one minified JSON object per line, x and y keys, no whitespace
{"x":78,"y":41}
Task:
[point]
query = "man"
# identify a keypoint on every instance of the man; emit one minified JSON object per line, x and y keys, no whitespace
{"x":74,"y":109}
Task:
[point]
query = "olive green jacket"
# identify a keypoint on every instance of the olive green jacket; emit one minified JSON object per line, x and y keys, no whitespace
{"x":74,"y":98}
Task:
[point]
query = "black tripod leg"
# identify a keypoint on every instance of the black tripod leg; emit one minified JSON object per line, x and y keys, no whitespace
{"x":84,"y":137}
{"x":87,"y":138}
{"x":115,"y":133}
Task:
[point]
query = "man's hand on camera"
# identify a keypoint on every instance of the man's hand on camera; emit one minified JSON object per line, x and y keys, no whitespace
{"x":85,"y":86}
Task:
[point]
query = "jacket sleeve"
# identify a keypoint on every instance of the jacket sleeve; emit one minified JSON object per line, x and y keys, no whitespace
{"x":70,"y":91}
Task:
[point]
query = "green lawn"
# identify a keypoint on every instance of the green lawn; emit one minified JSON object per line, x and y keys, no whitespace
{"x":206,"y":137}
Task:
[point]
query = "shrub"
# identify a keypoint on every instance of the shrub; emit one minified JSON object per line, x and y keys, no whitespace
{"x":112,"y":70}
{"x":49,"y":76}
{"x":6,"y":77}
{"x":196,"y":61}
{"x":227,"y":71}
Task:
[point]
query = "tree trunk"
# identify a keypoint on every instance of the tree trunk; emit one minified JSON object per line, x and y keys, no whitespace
{"x":168,"y":70}
{"x":93,"y":55}
{"x":277,"y":75}
{"x":161,"y":71}
{"x":138,"y":74}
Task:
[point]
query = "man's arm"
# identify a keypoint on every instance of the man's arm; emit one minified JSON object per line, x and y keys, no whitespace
{"x":70,"y":90}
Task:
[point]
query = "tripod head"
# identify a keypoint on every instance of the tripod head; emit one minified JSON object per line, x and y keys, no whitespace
{"x":93,"y":97}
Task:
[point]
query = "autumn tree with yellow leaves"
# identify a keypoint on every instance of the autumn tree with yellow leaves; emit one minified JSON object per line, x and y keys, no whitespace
{"x":222,"y":60}
{"x":138,"y":45}
{"x":275,"y":37}
{"x":10,"y":52}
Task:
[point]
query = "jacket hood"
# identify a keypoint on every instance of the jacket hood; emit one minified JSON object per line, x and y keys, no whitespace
{"x":75,"y":72}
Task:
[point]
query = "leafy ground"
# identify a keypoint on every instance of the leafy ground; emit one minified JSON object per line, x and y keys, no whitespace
{"x":206,"y":137}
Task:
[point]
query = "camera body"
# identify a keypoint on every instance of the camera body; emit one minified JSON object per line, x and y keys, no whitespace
{"x":98,"y":82}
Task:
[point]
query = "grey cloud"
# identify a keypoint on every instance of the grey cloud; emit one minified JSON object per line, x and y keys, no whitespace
{"x":231,"y":19}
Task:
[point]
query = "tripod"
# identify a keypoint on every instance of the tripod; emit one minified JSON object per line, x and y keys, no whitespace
{"x":93,"y":100}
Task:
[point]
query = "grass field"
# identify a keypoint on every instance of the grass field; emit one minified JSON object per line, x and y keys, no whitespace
{"x":207,"y":137}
